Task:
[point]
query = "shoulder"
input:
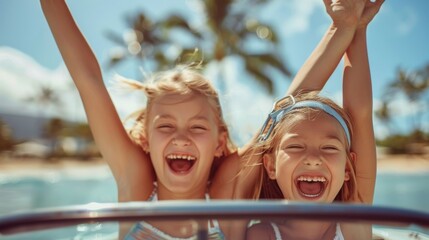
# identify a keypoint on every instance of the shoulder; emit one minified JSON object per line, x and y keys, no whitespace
{"x":223,"y":181}
{"x":356,"y":231}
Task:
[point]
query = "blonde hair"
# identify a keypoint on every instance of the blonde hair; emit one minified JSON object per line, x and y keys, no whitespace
{"x":182,"y":80}
{"x":267,"y":188}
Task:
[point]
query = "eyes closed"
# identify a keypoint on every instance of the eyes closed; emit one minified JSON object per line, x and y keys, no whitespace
{"x":327,"y":147}
{"x":192,"y":128}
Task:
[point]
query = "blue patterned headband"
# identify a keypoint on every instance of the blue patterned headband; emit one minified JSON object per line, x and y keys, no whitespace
{"x":277,"y":115}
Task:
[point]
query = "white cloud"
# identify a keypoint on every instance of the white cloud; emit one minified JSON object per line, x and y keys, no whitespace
{"x":401,"y":107}
{"x":294,"y":15}
{"x":405,"y":116}
{"x":245,"y":104}
{"x":22,"y":77}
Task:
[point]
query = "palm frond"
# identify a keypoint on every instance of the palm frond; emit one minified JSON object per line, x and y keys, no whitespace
{"x":255,"y":69}
{"x":176,"y":21}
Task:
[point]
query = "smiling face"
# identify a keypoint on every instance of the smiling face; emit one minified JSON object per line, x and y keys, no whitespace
{"x":183,"y":139}
{"x":309,"y":164}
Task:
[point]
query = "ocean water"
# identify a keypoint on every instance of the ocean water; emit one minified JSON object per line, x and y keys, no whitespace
{"x":53,"y":188}
{"x":406,"y":190}
{"x":26,"y":191}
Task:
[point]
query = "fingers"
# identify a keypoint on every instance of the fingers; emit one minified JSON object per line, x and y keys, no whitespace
{"x":378,"y":3}
{"x":375,"y":3}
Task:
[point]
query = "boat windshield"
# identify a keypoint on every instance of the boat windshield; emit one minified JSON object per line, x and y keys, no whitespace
{"x":202,"y":220}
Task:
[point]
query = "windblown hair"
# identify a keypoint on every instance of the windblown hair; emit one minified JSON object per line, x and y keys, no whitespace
{"x":182,"y":80}
{"x":269,"y":189}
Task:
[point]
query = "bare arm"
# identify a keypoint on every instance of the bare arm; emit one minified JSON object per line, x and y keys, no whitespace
{"x":326,"y":56}
{"x":312,"y":76}
{"x":357,"y":100}
{"x":322,"y":62}
{"x":130,"y":166}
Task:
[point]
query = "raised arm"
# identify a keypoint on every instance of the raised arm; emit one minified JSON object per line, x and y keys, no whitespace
{"x":130,"y":166}
{"x":312,"y":76}
{"x":326,"y":56}
{"x":357,"y":101}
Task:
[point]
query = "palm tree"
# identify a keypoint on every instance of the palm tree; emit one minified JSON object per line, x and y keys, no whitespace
{"x":232,"y":27}
{"x":228,"y":27}
{"x":142,"y":41}
{"x":52,"y":131}
{"x":45,"y":97}
{"x":415,"y":87}
{"x":384,"y":113}
{"x":6,"y":140}
{"x":412,"y":84}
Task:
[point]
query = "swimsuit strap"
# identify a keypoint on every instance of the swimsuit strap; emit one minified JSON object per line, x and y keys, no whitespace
{"x":276,"y":231}
{"x":215,"y":223}
{"x":213,"y":227}
{"x":144,"y":230}
{"x":338,"y":233}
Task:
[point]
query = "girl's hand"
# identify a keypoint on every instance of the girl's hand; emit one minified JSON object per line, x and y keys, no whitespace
{"x":371,"y":9}
{"x":345,"y":13}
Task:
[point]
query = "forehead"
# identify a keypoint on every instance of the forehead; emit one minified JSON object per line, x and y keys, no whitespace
{"x":176,"y":105}
{"x":168,"y":99}
{"x":311,"y":123}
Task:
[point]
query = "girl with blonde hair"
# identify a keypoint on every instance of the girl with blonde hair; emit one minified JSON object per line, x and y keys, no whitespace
{"x":178,"y":143}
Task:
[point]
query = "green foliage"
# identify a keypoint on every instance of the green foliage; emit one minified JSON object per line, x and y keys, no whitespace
{"x":53,"y":128}
{"x":413,"y":86}
{"x":228,"y":26}
{"x":405,"y":144}
{"x":56,"y":130}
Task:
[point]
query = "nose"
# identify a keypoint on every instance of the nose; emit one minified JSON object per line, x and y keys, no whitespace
{"x":181,"y":140}
{"x":312,"y":159}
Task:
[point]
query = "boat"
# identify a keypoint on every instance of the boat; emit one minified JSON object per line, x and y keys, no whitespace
{"x":389,"y":223}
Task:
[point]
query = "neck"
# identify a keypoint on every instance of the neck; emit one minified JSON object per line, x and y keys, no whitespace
{"x":194,"y":194}
{"x":307,"y":230}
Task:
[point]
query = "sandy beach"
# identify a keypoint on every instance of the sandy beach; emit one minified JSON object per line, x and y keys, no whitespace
{"x":403,"y":163}
{"x":35,"y":167}
{"x":395,"y":163}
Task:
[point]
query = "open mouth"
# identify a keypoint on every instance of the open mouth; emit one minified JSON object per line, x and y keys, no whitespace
{"x":180,"y":163}
{"x":311,"y":187}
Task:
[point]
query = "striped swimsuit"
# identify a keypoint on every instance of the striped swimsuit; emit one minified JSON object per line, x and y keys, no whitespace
{"x":146,"y":231}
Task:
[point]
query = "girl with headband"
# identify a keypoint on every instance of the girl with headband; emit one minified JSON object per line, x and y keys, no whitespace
{"x":313,"y":150}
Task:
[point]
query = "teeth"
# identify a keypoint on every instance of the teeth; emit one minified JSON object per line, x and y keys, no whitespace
{"x":311,"y":195}
{"x":311,"y":179}
{"x":180,"y":156}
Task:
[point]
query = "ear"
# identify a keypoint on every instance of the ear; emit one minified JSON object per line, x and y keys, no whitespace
{"x":144,"y":144}
{"x":221,"y":147}
{"x":347,"y":173}
{"x":270,"y":166}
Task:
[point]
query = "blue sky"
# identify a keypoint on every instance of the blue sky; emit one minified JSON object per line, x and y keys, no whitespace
{"x":398,"y":37}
